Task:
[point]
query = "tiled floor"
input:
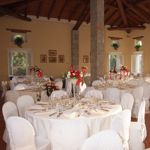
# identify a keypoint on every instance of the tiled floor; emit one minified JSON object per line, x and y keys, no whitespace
{"x":2,"y":127}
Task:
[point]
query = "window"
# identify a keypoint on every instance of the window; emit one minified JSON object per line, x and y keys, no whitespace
{"x":19,"y":61}
{"x":137,"y":63}
{"x":115,"y":61}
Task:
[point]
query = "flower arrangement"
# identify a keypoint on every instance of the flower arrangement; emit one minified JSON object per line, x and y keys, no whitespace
{"x":115,"y":44}
{"x":18,"y":40}
{"x":36,"y":70}
{"x":76,"y":74}
{"x":123,"y":71}
{"x":50,"y":87}
{"x":137,"y":44}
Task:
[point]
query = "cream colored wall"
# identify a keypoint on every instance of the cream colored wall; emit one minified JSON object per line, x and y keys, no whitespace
{"x":47,"y":35}
{"x":44,"y":36}
{"x":145,"y":47}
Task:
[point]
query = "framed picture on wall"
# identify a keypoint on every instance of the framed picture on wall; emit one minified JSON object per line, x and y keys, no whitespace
{"x":85,"y":59}
{"x":43,"y":58}
{"x":52,"y":52}
{"x":52,"y":59}
{"x":61,"y":58}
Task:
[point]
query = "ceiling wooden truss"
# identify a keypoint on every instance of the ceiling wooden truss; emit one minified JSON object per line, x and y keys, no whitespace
{"x":119,"y":14}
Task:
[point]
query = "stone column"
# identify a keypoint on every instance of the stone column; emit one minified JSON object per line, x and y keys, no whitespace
{"x":75,"y":48}
{"x":97,"y":38}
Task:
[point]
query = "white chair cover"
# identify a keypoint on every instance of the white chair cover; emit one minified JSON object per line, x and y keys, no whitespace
{"x":9,"y":109}
{"x":96,"y":83}
{"x":22,"y":135}
{"x":104,"y":140}
{"x":87,"y":90}
{"x":23,"y":103}
{"x":59,"y":83}
{"x":44,"y":96}
{"x":94,"y":93}
{"x":127,"y":101}
{"x":113,"y":94}
{"x":138,"y":131}
{"x":121,"y":123}
{"x":20,"y":86}
{"x":138,"y":97}
{"x":59,"y":94}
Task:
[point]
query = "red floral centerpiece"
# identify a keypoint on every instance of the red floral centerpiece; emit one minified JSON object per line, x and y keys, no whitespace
{"x":123,"y":72}
{"x":36,"y":71}
{"x":76,"y":75}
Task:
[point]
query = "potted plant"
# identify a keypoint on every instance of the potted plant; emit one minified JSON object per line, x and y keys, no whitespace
{"x":138,"y":44}
{"x":115,"y":44}
{"x":18,"y":40}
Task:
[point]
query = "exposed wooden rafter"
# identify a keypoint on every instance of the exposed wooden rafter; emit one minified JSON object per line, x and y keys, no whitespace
{"x":51,"y":9}
{"x":6,"y":2}
{"x":122,"y":12}
{"x":73,"y":12}
{"x":134,"y":9}
{"x":82,"y":17}
{"x":13,"y":13}
{"x":62,"y":9}
{"x":39,"y":9}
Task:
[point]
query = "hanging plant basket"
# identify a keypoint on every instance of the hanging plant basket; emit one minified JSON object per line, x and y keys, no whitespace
{"x":115,"y":44}
{"x":18,"y":40}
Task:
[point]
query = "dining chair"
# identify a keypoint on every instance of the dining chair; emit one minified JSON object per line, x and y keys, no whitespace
{"x":22,"y":135}
{"x":104,"y":140}
{"x":59,"y":94}
{"x":86,"y":90}
{"x":8,"y":109}
{"x":59,"y":83}
{"x":127,"y":101}
{"x":97,"y":83}
{"x":23,"y":103}
{"x":94,"y":94}
{"x":121,"y":124}
{"x":138,"y":131}
{"x":113,"y":94}
{"x":138,"y":97}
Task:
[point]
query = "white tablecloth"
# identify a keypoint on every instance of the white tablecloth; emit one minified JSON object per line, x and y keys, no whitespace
{"x":69,"y":131}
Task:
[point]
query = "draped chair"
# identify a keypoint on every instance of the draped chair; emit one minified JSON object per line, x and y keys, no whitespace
{"x":94,"y":94}
{"x":104,"y":140}
{"x":121,"y":124}
{"x":138,"y":131}
{"x":23,"y":103}
{"x":127,"y":101}
{"x":22,"y":135}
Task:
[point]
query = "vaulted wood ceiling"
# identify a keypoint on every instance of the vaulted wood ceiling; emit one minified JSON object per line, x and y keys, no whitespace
{"x":119,"y":14}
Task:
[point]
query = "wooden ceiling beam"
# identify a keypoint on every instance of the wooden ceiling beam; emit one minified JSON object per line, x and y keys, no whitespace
{"x":144,"y":8}
{"x":110,"y":7}
{"x":131,"y":7}
{"x":7,"y":2}
{"x":51,"y":9}
{"x":127,"y":28}
{"x":62,"y":9}
{"x":109,"y":14}
{"x":13,"y":13}
{"x":39,"y":9}
{"x":82,"y":17}
{"x":113,"y":18}
{"x":73,"y":12}
{"x":122,"y":12}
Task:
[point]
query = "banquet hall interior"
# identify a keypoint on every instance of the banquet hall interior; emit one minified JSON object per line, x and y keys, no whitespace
{"x":75,"y":74}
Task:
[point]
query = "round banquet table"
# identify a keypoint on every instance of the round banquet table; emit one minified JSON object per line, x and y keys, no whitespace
{"x":68,"y":131}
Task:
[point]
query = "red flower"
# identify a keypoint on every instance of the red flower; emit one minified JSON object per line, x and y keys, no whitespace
{"x":39,"y":73}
